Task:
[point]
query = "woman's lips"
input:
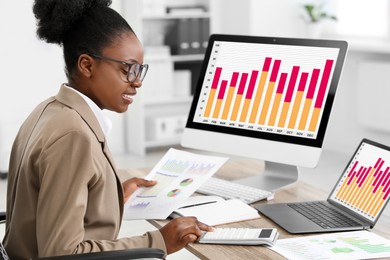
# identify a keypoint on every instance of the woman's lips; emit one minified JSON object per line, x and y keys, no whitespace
{"x":128,"y":97}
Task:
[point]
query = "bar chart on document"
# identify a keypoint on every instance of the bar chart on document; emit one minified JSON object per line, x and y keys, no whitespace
{"x":280,"y":89}
{"x":365,"y":186}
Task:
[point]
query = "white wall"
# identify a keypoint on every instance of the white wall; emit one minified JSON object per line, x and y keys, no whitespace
{"x":31,"y":70}
{"x":345,"y":128}
{"x":283,"y":18}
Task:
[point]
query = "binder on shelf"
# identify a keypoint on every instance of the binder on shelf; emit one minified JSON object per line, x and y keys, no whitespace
{"x":194,"y":36}
{"x":204,"y":34}
{"x":178,"y":37}
{"x":188,"y":36}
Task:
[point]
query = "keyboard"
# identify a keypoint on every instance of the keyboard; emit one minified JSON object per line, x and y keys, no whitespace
{"x":321,"y":214}
{"x":231,"y":190}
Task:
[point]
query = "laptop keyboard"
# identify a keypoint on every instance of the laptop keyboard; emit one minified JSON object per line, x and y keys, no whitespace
{"x":323,"y":215}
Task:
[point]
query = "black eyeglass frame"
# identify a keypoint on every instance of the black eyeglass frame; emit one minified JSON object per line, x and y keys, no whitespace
{"x":135,"y":74}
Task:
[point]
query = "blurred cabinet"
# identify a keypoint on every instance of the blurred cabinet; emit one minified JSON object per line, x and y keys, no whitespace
{"x":175,"y":35}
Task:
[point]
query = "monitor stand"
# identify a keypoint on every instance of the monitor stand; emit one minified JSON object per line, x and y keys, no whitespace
{"x":275,"y":176}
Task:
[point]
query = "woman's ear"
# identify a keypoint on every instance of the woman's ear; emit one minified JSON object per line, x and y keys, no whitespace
{"x":85,"y":65}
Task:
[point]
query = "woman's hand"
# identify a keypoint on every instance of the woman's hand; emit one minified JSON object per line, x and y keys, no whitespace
{"x":131,"y":185}
{"x":181,"y":231}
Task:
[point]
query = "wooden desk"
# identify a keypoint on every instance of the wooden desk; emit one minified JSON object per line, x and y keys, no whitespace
{"x":296,"y":192}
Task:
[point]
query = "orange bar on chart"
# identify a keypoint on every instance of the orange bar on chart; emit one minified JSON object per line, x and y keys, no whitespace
{"x":343,"y":190}
{"x":288,"y":97}
{"x":381,"y":178}
{"x":355,"y":186}
{"x":213,"y":90}
{"x":269,"y":93}
{"x":229,"y":98}
{"x":385,"y":184}
{"x":374,"y":201}
{"x":347,"y":189}
{"x":240,"y":92}
{"x":362,"y":183}
{"x":249,"y":94}
{"x":260,"y":90}
{"x":379,"y":205}
{"x":298,"y":100}
{"x":221,"y":95}
{"x":321,"y":95}
{"x":366,"y":190}
{"x":309,"y":99}
{"x":278,"y":98}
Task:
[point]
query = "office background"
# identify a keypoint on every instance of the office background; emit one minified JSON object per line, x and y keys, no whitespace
{"x":32,"y":70}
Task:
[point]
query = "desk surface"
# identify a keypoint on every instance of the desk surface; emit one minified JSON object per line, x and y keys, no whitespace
{"x":296,"y":192}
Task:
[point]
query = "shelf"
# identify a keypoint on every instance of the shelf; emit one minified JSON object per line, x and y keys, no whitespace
{"x":188,"y":57}
{"x":174,"y":58}
{"x":160,"y":115}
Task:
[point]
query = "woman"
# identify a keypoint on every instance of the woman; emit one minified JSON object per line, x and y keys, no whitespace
{"x":64,"y":195}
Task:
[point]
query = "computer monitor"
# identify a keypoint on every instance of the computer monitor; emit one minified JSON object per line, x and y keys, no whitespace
{"x":265,"y":98}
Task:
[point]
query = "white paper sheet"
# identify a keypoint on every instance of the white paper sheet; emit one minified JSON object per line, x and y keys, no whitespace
{"x":335,"y":246}
{"x":220,"y":212}
{"x":179,"y":174}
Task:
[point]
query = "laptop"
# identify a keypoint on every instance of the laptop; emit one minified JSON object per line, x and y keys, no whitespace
{"x":355,"y":203}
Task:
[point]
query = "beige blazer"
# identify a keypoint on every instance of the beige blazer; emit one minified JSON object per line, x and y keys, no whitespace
{"x":64,"y":194}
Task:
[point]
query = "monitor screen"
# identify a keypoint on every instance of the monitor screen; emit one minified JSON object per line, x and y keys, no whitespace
{"x":264,"y":97}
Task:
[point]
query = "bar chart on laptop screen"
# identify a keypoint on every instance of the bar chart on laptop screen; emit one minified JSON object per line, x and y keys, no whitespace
{"x":365,"y":186}
{"x":280,"y":89}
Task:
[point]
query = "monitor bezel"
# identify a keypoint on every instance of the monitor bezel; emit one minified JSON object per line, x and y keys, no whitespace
{"x":318,"y":141}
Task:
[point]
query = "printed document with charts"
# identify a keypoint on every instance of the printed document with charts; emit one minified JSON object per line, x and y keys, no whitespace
{"x":178,"y":174}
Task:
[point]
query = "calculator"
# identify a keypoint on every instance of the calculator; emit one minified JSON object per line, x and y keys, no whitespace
{"x":240,"y":236}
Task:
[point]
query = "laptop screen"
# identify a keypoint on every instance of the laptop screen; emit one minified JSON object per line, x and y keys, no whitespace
{"x":364,"y":187}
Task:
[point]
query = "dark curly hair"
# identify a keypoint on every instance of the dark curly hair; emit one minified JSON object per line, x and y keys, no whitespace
{"x":79,"y":26}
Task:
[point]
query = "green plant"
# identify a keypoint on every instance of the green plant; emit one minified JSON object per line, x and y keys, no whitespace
{"x":315,"y":13}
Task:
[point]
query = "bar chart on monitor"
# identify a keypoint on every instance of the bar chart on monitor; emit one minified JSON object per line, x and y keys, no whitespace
{"x":280,"y":89}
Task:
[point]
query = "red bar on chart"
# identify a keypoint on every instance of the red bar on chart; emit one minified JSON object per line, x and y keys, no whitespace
{"x":288,"y":97}
{"x":321,"y":95}
{"x":354,"y":187}
{"x":240,"y":92}
{"x":380,"y":197}
{"x":260,"y":89}
{"x":343,"y":190}
{"x":309,"y":99}
{"x":269,"y":93}
{"x":366,"y":187}
{"x":232,"y":88}
{"x":378,"y":173}
{"x":249,"y":94}
{"x":220,"y":97}
{"x":298,"y":100}
{"x":278,"y":97}
{"x":212,"y":92}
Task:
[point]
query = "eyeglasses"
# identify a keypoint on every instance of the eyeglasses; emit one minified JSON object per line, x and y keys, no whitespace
{"x":134,"y":70}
